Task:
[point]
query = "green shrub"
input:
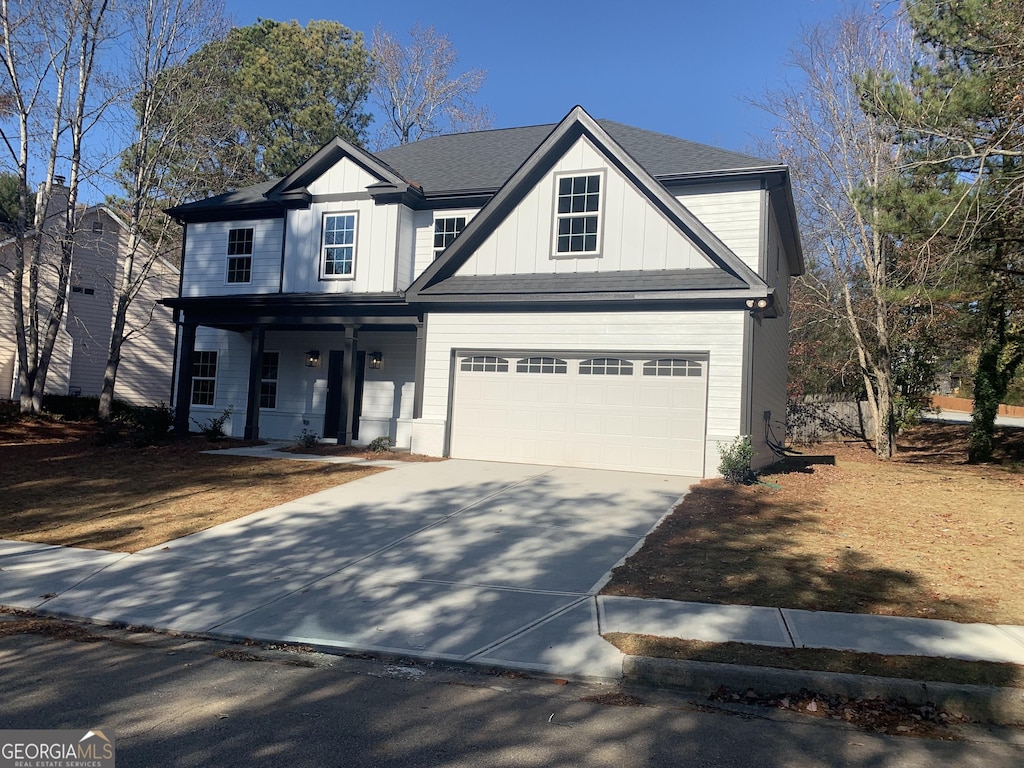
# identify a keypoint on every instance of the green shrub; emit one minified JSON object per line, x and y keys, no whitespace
{"x":380,"y":444}
{"x":213,"y":428}
{"x":307,"y":438}
{"x":150,"y":424}
{"x":71,"y":408}
{"x":735,"y":464}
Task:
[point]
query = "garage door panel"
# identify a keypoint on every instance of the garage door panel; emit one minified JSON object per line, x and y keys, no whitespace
{"x":596,"y":419}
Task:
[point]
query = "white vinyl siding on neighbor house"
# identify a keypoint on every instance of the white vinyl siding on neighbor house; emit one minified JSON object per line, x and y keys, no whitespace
{"x":733,"y":212}
{"x":206,"y":258}
{"x":718,"y":335}
{"x":634,"y":235}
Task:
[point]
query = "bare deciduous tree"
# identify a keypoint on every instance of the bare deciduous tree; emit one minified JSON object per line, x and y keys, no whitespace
{"x":49,"y":53}
{"x":417,"y":92}
{"x":159,"y":38}
{"x":838,"y":155}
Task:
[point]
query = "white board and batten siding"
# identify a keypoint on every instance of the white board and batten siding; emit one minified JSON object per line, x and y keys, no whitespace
{"x":714,"y":337}
{"x":423,"y":222}
{"x":206,"y":258}
{"x":633,"y":233}
{"x":770,"y":352}
{"x":732,"y":211}
{"x":375,"y":249}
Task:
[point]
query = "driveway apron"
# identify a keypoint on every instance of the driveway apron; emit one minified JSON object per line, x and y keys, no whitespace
{"x":457,"y":560}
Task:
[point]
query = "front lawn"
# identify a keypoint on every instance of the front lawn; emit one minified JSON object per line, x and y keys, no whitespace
{"x":61,"y":487}
{"x":925,"y":535}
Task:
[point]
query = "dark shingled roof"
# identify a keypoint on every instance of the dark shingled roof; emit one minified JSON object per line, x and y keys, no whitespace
{"x":486,"y":159}
{"x":630,"y":284}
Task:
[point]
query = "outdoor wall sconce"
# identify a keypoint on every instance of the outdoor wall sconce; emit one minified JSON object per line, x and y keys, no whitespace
{"x":313,"y":358}
{"x":376,"y":360}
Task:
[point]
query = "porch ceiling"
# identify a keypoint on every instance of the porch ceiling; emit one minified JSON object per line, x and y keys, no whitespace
{"x":297,"y":311}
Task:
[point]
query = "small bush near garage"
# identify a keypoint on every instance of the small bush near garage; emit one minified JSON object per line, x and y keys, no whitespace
{"x":736,"y":457}
{"x":380,"y":444}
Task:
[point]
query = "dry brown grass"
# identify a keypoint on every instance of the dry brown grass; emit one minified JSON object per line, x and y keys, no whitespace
{"x":60,"y":487}
{"x":926,"y":535}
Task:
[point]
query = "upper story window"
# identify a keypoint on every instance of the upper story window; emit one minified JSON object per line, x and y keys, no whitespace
{"x":97,"y":226}
{"x":338,"y":253}
{"x":204,"y":377}
{"x":578,"y":215}
{"x":240,"y":255}
{"x":446,"y":230}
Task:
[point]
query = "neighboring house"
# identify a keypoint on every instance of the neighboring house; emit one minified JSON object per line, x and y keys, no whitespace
{"x":586,"y":294}
{"x":80,"y":352}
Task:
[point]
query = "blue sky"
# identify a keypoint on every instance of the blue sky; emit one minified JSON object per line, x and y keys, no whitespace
{"x":681,"y":68}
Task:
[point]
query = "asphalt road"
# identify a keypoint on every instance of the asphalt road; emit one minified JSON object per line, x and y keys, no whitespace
{"x":174,"y":702}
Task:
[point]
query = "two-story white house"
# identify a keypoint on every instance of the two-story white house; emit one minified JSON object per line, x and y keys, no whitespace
{"x":585,"y":294}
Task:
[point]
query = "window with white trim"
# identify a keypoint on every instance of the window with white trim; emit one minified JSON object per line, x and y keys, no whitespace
{"x":338,"y":251}
{"x":484,"y":364}
{"x":445,"y":231}
{"x":577,"y":214}
{"x":240,"y":255}
{"x":541,"y":365}
{"x":268,"y":380}
{"x":606,"y":366}
{"x":204,"y":377}
{"x":673,"y":366}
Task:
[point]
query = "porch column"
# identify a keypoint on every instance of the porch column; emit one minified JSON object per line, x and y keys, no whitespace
{"x":348,"y":385}
{"x":183,"y":397}
{"x":252,"y":403}
{"x":421,"y":368}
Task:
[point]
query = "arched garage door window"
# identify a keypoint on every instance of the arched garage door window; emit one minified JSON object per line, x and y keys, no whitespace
{"x":673,"y":366}
{"x":541,"y":365}
{"x":485,"y":364}
{"x":606,"y":366}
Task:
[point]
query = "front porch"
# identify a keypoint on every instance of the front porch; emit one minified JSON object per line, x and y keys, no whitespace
{"x":287,"y":366}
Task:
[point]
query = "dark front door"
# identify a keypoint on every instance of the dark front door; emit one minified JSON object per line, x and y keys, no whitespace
{"x":336,"y":390}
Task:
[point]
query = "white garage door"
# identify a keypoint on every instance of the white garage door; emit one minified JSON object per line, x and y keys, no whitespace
{"x":607,"y":411}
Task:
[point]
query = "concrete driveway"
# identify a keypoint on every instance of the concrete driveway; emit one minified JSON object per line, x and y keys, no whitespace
{"x":457,"y":560}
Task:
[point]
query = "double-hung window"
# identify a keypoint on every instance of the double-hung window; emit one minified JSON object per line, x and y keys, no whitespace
{"x":578,"y":215}
{"x":204,"y":377}
{"x":268,"y":379}
{"x":240,"y":255}
{"x":338,"y":252}
{"x":446,"y":230}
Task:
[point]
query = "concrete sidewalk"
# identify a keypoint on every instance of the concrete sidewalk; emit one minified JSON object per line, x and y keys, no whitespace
{"x":471,"y":562}
{"x":566,"y":641}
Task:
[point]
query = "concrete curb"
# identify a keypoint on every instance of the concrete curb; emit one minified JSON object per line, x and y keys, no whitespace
{"x":1001,"y":706}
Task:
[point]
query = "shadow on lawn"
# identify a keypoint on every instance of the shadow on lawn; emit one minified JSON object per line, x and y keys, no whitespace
{"x":742,"y":545}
